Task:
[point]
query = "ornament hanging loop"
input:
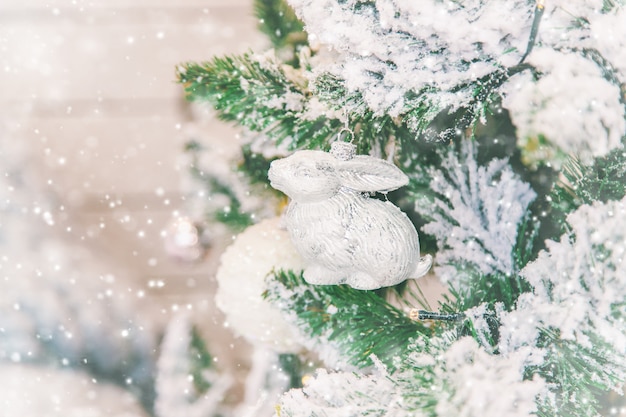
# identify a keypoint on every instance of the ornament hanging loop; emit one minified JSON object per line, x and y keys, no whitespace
{"x":346,"y":133}
{"x":344,"y":149}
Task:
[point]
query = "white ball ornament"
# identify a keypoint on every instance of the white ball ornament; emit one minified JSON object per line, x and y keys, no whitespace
{"x":345,"y":236}
{"x":244,"y":266}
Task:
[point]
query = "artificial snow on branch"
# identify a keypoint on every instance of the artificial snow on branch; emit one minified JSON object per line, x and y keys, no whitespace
{"x":576,"y":311}
{"x":575,"y":99}
{"x":471,"y":377}
{"x":586,"y":294}
{"x":186,"y":383}
{"x":573,"y":104}
{"x":419,"y":60}
{"x":475,"y":214}
{"x":433,"y":48}
{"x":447,"y":379}
{"x":342,"y":394}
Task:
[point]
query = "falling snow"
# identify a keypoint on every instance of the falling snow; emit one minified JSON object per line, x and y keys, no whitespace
{"x":108,"y":263}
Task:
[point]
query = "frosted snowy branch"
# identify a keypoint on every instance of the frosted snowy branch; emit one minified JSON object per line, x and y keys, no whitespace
{"x":573,"y":105}
{"x":579,"y":281}
{"x":577,"y":102}
{"x":343,"y":394}
{"x":458,"y":382}
{"x":418,"y":59}
{"x":577,"y":310}
{"x":473,"y":376}
{"x":477,"y":214}
{"x":434,"y":46}
{"x":176,"y":388}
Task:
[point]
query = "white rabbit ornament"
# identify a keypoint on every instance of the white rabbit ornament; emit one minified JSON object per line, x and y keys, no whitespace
{"x":345,"y":236}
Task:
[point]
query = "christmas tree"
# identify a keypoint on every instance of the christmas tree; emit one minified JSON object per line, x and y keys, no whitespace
{"x":498,"y":128}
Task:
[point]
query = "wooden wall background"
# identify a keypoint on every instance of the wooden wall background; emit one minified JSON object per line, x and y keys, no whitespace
{"x":88,"y":86}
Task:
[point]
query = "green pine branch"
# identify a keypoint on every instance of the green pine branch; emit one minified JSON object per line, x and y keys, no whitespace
{"x":580,"y":375}
{"x":274,"y":99}
{"x":375,"y":131}
{"x":255,"y":166}
{"x":357,"y":323}
{"x":279,"y":22}
{"x":608,"y":5}
{"x":490,"y":289}
{"x":258,"y":95}
{"x":261,"y":97}
{"x":293,"y":368}
{"x":231,"y":215}
{"x":200,"y":360}
{"x":241,"y":88}
{"x":422,"y":120}
{"x":603,"y":180}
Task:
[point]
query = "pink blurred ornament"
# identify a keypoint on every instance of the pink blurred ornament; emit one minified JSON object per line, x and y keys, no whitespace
{"x":185,"y":240}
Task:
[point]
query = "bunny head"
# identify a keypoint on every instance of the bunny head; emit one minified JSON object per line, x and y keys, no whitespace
{"x":305,"y":176}
{"x":309,"y":176}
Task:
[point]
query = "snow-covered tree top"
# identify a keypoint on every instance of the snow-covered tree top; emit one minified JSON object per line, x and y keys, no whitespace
{"x":386,"y":49}
{"x":414,"y":60}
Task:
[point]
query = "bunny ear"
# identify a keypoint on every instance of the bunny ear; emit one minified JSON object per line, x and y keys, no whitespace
{"x":366,"y":173}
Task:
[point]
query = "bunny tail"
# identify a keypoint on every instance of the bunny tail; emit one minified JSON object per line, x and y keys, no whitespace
{"x":423,"y":265}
